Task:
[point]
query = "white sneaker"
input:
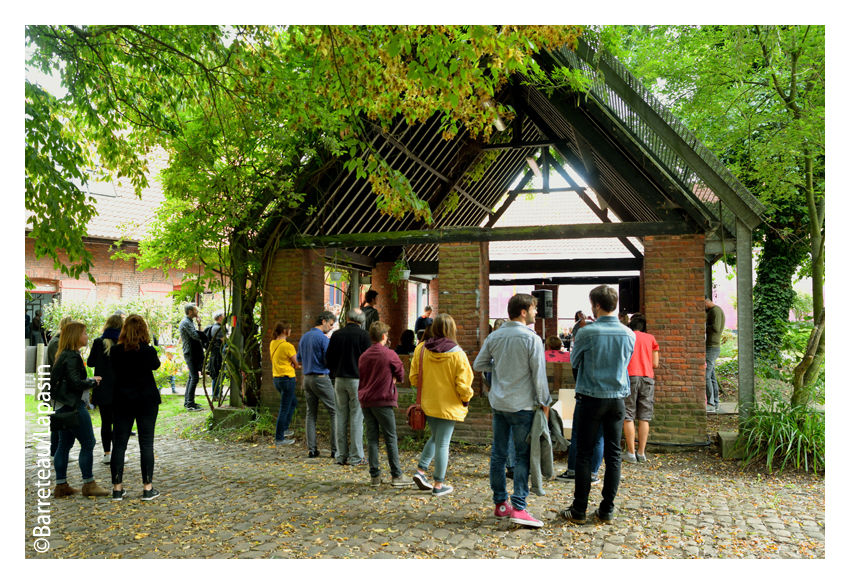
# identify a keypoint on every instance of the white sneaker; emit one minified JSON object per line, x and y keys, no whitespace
{"x":107,"y":458}
{"x":629,"y":457}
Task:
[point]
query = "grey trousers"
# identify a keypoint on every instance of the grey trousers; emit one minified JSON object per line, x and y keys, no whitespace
{"x":712,"y":389}
{"x":382,"y":419}
{"x":348,"y":414}
{"x":315,"y":389}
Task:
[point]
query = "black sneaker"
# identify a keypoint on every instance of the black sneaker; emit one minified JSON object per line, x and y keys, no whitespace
{"x":119,"y":495}
{"x":313,"y":454}
{"x":606,"y":518}
{"x":567,"y":477}
{"x":150,"y":495}
{"x":573,"y":516}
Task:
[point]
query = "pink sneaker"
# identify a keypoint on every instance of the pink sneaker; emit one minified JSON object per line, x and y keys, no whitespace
{"x":503,"y":509}
{"x":524,"y":518}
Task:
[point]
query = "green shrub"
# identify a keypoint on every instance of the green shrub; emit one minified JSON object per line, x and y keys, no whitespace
{"x":782,"y":434}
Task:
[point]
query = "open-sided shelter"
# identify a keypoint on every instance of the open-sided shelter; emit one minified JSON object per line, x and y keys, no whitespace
{"x":643,"y":166}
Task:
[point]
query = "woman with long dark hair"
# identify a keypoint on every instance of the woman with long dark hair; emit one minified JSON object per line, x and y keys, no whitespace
{"x":446,"y":390}
{"x":70,"y":392}
{"x":135,"y":397}
{"x":99,"y":359}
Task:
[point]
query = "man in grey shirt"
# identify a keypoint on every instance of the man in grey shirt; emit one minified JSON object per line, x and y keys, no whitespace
{"x":514,"y":354}
{"x":193,"y":353}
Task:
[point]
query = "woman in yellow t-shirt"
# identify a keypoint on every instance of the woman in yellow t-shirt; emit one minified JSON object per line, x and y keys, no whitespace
{"x":284,"y":365}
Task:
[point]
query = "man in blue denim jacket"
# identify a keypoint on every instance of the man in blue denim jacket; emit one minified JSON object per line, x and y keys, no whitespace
{"x":600,"y":358}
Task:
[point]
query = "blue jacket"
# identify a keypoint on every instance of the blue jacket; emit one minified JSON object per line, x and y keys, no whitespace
{"x":601,"y":354}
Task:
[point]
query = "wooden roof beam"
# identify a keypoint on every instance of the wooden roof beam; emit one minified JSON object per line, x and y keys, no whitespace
{"x":544,"y":266}
{"x":473,"y":234}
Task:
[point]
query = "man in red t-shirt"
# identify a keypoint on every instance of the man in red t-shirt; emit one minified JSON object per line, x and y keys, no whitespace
{"x":642,"y":381}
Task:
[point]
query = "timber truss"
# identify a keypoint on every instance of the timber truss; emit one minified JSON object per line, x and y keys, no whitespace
{"x":647,"y":175}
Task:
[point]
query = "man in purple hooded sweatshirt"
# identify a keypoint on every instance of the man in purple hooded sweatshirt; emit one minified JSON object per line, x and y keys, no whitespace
{"x":380,"y":368}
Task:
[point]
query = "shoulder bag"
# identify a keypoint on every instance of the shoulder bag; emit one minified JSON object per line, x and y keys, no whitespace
{"x":415,"y":415}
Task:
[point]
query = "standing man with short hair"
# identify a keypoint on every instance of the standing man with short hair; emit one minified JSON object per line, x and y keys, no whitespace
{"x":316,"y":381}
{"x":514,"y":354}
{"x":423,"y":321}
{"x":600,"y":357}
{"x":344,"y":350}
{"x":370,"y":313}
{"x":380,"y":369}
{"x":639,"y":404}
{"x":193,"y":353}
{"x":715,"y":322}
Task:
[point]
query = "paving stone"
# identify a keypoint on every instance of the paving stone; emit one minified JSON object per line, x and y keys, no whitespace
{"x":251,"y":519}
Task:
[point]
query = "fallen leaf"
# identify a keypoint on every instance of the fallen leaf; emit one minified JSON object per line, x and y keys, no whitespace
{"x":141,"y":535}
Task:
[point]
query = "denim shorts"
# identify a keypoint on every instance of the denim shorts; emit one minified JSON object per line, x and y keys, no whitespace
{"x":641,"y":398}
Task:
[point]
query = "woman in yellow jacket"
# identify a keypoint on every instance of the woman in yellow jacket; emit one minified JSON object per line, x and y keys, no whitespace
{"x":446,"y":391}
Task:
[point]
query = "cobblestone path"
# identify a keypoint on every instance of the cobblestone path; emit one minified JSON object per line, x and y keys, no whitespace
{"x":256,"y":501}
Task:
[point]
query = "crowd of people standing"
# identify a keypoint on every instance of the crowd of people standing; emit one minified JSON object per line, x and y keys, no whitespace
{"x":354,"y":374}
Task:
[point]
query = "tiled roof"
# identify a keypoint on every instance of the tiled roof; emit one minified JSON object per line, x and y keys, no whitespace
{"x":556,"y":209}
{"x":124,"y":215}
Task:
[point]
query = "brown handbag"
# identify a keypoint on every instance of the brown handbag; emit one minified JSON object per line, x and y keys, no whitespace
{"x":415,"y":415}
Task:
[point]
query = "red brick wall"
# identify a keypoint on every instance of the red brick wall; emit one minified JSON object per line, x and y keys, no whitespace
{"x":434,"y":294}
{"x":551,"y":323}
{"x":673,"y":290}
{"x":294,"y":292}
{"x":392,"y":312}
{"x":113,"y":276}
{"x":464,"y":290}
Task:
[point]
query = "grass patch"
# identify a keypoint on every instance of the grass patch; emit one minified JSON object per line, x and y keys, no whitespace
{"x":172,"y":419}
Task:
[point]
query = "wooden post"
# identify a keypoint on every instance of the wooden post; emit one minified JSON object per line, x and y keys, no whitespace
{"x":746,"y":327}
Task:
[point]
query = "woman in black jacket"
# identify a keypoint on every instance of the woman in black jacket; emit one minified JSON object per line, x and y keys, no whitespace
{"x":70,"y":390}
{"x":135,"y":397}
{"x":99,"y":359}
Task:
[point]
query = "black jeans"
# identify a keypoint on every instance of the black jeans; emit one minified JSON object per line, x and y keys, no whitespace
{"x":192,"y":383}
{"x":106,"y":421}
{"x":590,"y":413}
{"x":145,"y":418}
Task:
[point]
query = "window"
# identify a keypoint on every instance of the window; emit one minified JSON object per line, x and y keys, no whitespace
{"x":78,"y":291}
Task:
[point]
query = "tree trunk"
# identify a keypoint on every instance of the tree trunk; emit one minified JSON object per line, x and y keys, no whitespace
{"x":773,"y":293}
{"x":806,"y":372}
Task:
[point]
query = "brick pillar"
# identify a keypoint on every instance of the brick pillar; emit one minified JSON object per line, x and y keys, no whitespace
{"x":434,"y":294}
{"x":393,"y":312}
{"x":551,"y":323}
{"x":465,"y":290}
{"x":673,"y":278}
{"x":293,"y":292}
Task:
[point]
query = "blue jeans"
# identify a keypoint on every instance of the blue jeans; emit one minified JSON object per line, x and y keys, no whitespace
{"x":590,"y":414}
{"x":511,"y":462}
{"x":288,"y":402}
{"x":712,"y":389}
{"x":437,"y":447}
{"x":506,"y":425}
{"x":596,"y":459}
{"x":85,"y":434}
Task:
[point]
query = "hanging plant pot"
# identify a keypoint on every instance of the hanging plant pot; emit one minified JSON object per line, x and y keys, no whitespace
{"x":405,"y":274}
{"x":335,"y":276}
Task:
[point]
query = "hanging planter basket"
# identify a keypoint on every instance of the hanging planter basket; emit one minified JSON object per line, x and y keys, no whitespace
{"x":335,"y":276}
{"x":405,"y":274}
